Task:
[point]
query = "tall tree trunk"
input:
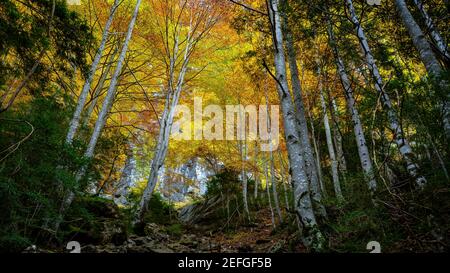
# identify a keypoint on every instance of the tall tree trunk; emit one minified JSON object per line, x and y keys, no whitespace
{"x":303,"y":204}
{"x":75,"y":122}
{"x":317,"y":154}
{"x":332,"y":154}
{"x":99,"y":88}
{"x":110,"y":94}
{"x":159,"y":155}
{"x":256,"y":173}
{"x":283,"y":180}
{"x":274,"y":188}
{"x":272,"y":168}
{"x":243,"y":148}
{"x":363,"y":150}
{"x":428,"y":58}
{"x":107,"y":103}
{"x":310,"y":162}
{"x":173,"y":96}
{"x":314,"y":143}
{"x":395,"y":125}
{"x":337,"y":138}
{"x":441,"y":45}
{"x":269,"y":199}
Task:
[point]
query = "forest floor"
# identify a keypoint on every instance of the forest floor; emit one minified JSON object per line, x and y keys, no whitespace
{"x":100,"y":226}
{"x":256,"y":237}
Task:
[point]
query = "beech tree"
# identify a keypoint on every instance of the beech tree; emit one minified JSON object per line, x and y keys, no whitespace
{"x":363,"y":150}
{"x":303,"y":204}
{"x":107,"y":104}
{"x":75,"y":122}
{"x":428,"y":57}
{"x":184,"y":26}
{"x":403,"y":144}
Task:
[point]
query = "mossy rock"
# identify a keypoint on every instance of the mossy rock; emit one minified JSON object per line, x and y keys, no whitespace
{"x":94,"y":220}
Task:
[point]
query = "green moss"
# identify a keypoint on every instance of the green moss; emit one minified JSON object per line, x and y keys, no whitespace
{"x":175,"y":229}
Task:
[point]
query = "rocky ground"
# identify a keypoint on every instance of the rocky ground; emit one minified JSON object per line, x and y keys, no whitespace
{"x":253,"y":238}
{"x":198,"y":233}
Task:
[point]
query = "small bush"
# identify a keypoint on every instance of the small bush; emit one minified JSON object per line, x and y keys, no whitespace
{"x":160,"y":211}
{"x":175,"y":229}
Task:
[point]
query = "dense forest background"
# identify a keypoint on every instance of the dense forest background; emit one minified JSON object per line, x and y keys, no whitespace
{"x":88,"y":97}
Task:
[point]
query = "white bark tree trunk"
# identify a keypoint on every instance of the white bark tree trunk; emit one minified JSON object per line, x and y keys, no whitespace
{"x":441,"y":45}
{"x":317,"y":153}
{"x":110,"y":94}
{"x":256,"y":172}
{"x":337,"y":138}
{"x":363,"y":150}
{"x":274,"y":189}
{"x":75,"y":122}
{"x":160,"y":150}
{"x":243,"y":148}
{"x":329,"y":138}
{"x":175,"y":86}
{"x":314,"y":141}
{"x":283,"y":180}
{"x":107,"y":103}
{"x":99,"y":88}
{"x":428,"y":58}
{"x":269,"y":199}
{"x":399,"y":137}
{"x":303,"y":204}
{"x":272,"y":168}
{"x":310,"y":162}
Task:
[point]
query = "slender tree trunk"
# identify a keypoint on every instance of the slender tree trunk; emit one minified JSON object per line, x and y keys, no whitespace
{"x":316,"y":148}
{"x":75,"y":122}
{"x":283,"y":180}
{"x":256,"y":174}
{"x":310,"y":162}
{"x":110,"y":95}
{"x":395,"y":125}
{"x":272,"y":168}
{"x":337,"y":138}
{"x":334,"y":163}
{"x":317,"y":153}
{"x":68,"y":199}
{"x":363,"y":150}
{"x":159,"y":156}
{"x":243,"y":148}
{"x":173,"y":96}
{"x":269,"y":199}
{"x":99,"y":88}
{"x":440,"y":43}
{"x":303,"y":204}
{"x":274,"y":189}
{"x":428,"y":58}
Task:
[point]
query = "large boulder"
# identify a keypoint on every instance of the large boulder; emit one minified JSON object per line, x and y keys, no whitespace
{"x":95,"y":220}
{"x":200,"y":211}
